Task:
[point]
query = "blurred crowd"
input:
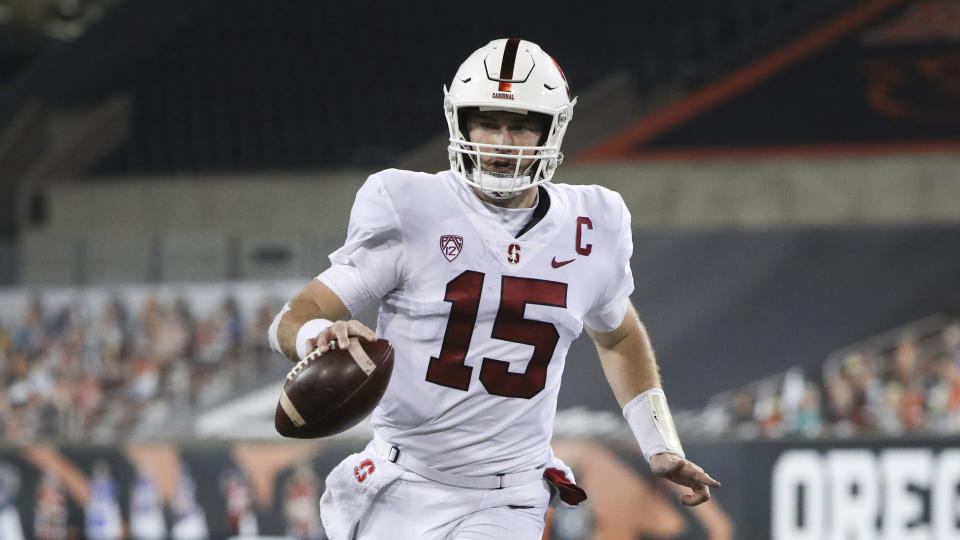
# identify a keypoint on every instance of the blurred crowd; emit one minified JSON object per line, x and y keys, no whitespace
{"x":904,"y":382}
{"x":142,"y":369}
{"x":129,"y":371}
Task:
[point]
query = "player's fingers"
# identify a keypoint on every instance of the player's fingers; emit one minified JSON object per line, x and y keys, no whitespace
{"x":693,"y":500}
{"x":701,"y":494}
{"x":322,"y":341}
{"x":316,"y":343}
{"x":341,"y":333}
{"x":680,"y":473}
{"x":692,"y":474}
{"x":706,"y":480}
{"x":357,"y":328}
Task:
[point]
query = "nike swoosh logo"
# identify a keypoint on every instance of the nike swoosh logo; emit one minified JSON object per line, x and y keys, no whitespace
{"x":556,"y":264}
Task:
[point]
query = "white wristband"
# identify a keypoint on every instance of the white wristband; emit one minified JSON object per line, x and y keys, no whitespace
{"x":309,"y":330}
{"x":650,"y":420}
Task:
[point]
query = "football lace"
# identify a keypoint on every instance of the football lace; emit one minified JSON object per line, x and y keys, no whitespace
{"x":301,"y":365}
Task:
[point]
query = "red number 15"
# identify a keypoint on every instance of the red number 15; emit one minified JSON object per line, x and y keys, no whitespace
{"x":510,"y":325}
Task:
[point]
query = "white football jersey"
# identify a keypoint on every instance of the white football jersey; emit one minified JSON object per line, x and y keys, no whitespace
{"x":480,"y":321}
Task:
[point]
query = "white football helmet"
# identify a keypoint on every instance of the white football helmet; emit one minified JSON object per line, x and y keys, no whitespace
{"x":508,"y":75}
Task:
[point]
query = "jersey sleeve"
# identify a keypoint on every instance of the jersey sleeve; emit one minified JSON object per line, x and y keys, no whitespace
{"x":611,"y":306}
{"x":369,"y":265}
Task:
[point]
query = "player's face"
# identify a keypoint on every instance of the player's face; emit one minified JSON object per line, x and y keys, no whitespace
{"x":507,"y":129}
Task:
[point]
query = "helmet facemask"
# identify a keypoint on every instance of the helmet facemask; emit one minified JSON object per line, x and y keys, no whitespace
{"x":530,"y":165}
{"x":533,"y":84}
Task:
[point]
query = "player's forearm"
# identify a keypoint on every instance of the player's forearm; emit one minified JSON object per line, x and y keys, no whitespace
{"x":301,"y":311}
{"x":627,"y":359}
{"x":316,"y":301}
{"x":629,"y":364}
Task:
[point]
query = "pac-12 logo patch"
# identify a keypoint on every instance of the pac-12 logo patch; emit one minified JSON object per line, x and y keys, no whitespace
{"x":450,"y":245}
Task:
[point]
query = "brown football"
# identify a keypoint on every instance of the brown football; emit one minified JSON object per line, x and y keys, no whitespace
{"x":325,"y":394}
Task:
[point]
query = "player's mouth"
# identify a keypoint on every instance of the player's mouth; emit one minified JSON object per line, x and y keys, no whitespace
{"x":501,"y":166}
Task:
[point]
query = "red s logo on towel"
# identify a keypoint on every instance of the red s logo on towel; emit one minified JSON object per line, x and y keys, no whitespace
{"x":366,"y":468}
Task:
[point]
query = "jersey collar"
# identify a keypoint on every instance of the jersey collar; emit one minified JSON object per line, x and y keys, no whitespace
{"x":541,"y":226}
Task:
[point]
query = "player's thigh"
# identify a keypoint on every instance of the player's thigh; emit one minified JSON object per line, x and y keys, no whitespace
{"x":391,"y":515}
{"x":502,"y":523}
{"x":416,"y":510}
{"x":515,"y":513}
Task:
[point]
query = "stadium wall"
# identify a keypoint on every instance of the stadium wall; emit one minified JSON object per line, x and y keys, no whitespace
{"x":274,"y":226}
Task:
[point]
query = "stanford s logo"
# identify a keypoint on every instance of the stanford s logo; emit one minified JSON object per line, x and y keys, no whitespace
{"x":363,"y":470}
{"x":450,"y":246}
{"x":513,"y":253}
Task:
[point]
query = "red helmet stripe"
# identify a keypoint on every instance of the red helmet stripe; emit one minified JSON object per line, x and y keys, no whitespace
{"x":558,"y":67}
{"x":506,"y":66}
{"x":564,"y":77}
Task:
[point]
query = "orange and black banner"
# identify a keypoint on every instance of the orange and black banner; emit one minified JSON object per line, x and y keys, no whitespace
{"x":219,"y":491}
{"x":785,"y":490}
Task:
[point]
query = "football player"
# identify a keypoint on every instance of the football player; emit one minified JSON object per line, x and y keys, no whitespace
{"x":484,"y":274}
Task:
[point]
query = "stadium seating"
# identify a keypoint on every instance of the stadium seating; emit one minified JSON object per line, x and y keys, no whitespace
{"x":902,"y":382}
{"x":130,"y":364}
{"x":240,"y":84}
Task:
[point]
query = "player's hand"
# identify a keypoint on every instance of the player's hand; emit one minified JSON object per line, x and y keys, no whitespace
{"x":686,"y":473}
{"x":338,"y":335}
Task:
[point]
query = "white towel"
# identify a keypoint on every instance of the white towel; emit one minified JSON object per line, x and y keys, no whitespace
{"x":351,"y":488}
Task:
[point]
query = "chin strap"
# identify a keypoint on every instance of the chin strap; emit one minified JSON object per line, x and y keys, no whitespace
{"x":493,"y":185}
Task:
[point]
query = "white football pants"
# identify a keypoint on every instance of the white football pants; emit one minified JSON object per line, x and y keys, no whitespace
{"x":414,"y":508}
